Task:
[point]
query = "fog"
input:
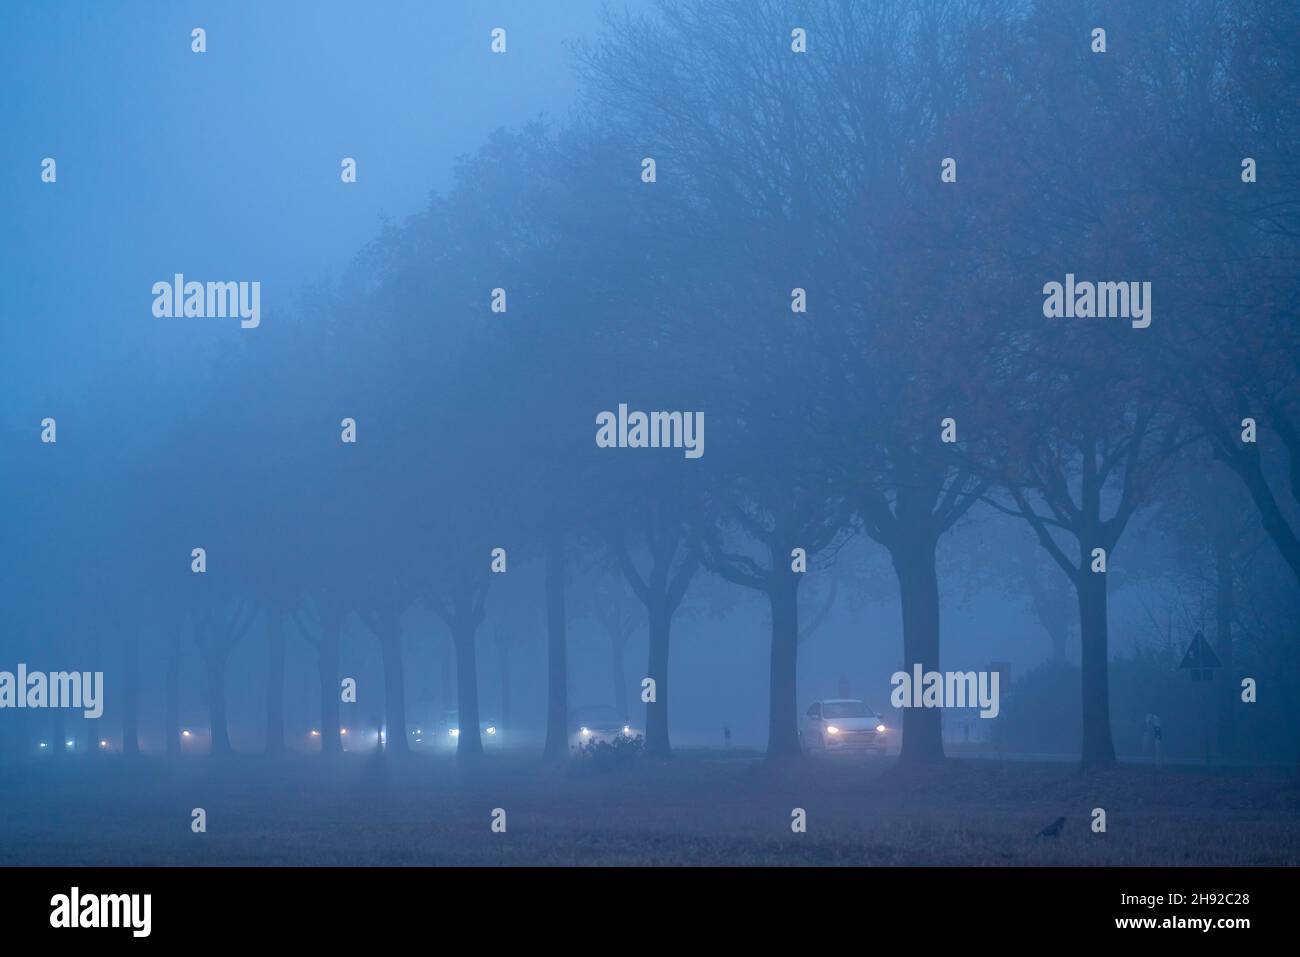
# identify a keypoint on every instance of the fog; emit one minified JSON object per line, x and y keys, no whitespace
{"x":375,"y":383}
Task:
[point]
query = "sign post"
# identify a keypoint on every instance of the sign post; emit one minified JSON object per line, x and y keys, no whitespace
{"x":1201,"y":660}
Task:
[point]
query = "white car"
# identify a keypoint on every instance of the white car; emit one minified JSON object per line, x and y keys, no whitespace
{"x":842,"y":724}
{"x":449,"y":731}
{"x":594,"y":723}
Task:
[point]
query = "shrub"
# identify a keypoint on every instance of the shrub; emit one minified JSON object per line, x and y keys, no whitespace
{"x":619,"y":754}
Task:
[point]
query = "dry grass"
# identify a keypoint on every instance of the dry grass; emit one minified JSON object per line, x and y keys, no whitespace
{"x":702,"y":808}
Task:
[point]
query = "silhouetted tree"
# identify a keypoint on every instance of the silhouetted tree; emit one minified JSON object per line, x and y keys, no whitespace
{"x":219,"y":622}
{"x":672,"y":563}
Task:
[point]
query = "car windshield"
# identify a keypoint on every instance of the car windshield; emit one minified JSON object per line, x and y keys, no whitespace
{"x":597,"y":715}
{"x":846,"y":709}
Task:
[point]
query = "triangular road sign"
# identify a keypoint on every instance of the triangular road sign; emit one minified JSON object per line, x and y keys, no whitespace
{"x":1200,"y":655}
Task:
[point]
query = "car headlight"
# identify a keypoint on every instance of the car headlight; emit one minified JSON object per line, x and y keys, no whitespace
{"x":585,"y":731}
{"x":831,"y":729}
{"x":492,"y":730}
{"x":880,"y":729}
{"x":627,"y":729}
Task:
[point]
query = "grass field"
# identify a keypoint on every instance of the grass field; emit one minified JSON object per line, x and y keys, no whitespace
{"x":704,"y":807}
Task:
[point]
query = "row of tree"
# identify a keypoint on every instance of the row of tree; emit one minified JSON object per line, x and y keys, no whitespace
{"x":864,"y":335}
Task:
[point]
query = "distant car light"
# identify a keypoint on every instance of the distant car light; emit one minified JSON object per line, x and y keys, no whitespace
{"x":43,"y":744}
{"x":586,"y":731}
{"x":454,"y":732}
{"x":103,"y":744}
{"x":315,"y":733}
{"x":627,"y":729}
{"x":831,"y":729}
{"x":492,"y":730}
{"x":185,"y":734}
{"x":880,"y":729}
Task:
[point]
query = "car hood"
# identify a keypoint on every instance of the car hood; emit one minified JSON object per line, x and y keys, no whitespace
{"x":855,"y":724}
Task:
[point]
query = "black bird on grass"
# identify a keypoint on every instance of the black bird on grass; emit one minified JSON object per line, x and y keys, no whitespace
{"x":1053,"y":829}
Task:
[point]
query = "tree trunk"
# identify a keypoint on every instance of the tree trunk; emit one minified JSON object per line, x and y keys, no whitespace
{"x":446,"y":674}
{"x":93,"y":724}
{"x":11,"y":738}
{"x":173,"y":729}
{"x":918,"y":583}
{"x":130,"y":696}
{"x":1058,"y":632}
{"x":507,"y":721}
{"x":783,"y":708}
{"x":656,"y":712}
{"x":20,"y":736}
{"x":469,"y":743}
{"x":618,"y":671}
{"x":217,"y":706}
{"x":1098,"y":747}
{"x":1224,"y":611}
{"x":390,"y":645}
{"x":327,"y":664}
{"x":275,"y":684}
{"x":557,"y":675}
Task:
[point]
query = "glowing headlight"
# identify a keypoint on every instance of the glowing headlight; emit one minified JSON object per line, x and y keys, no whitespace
{"x":492,"y":730}
{"x":454,"y":732}
{"x":831,"y":729}
{"x":315,"y":734}
{"x":43,"y":744}
{"x":103,"y":744}
{"x":185,"y":734}
{"x":627,"y":729}
{"x":880,"y":729}
{"x":585,"y":731}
